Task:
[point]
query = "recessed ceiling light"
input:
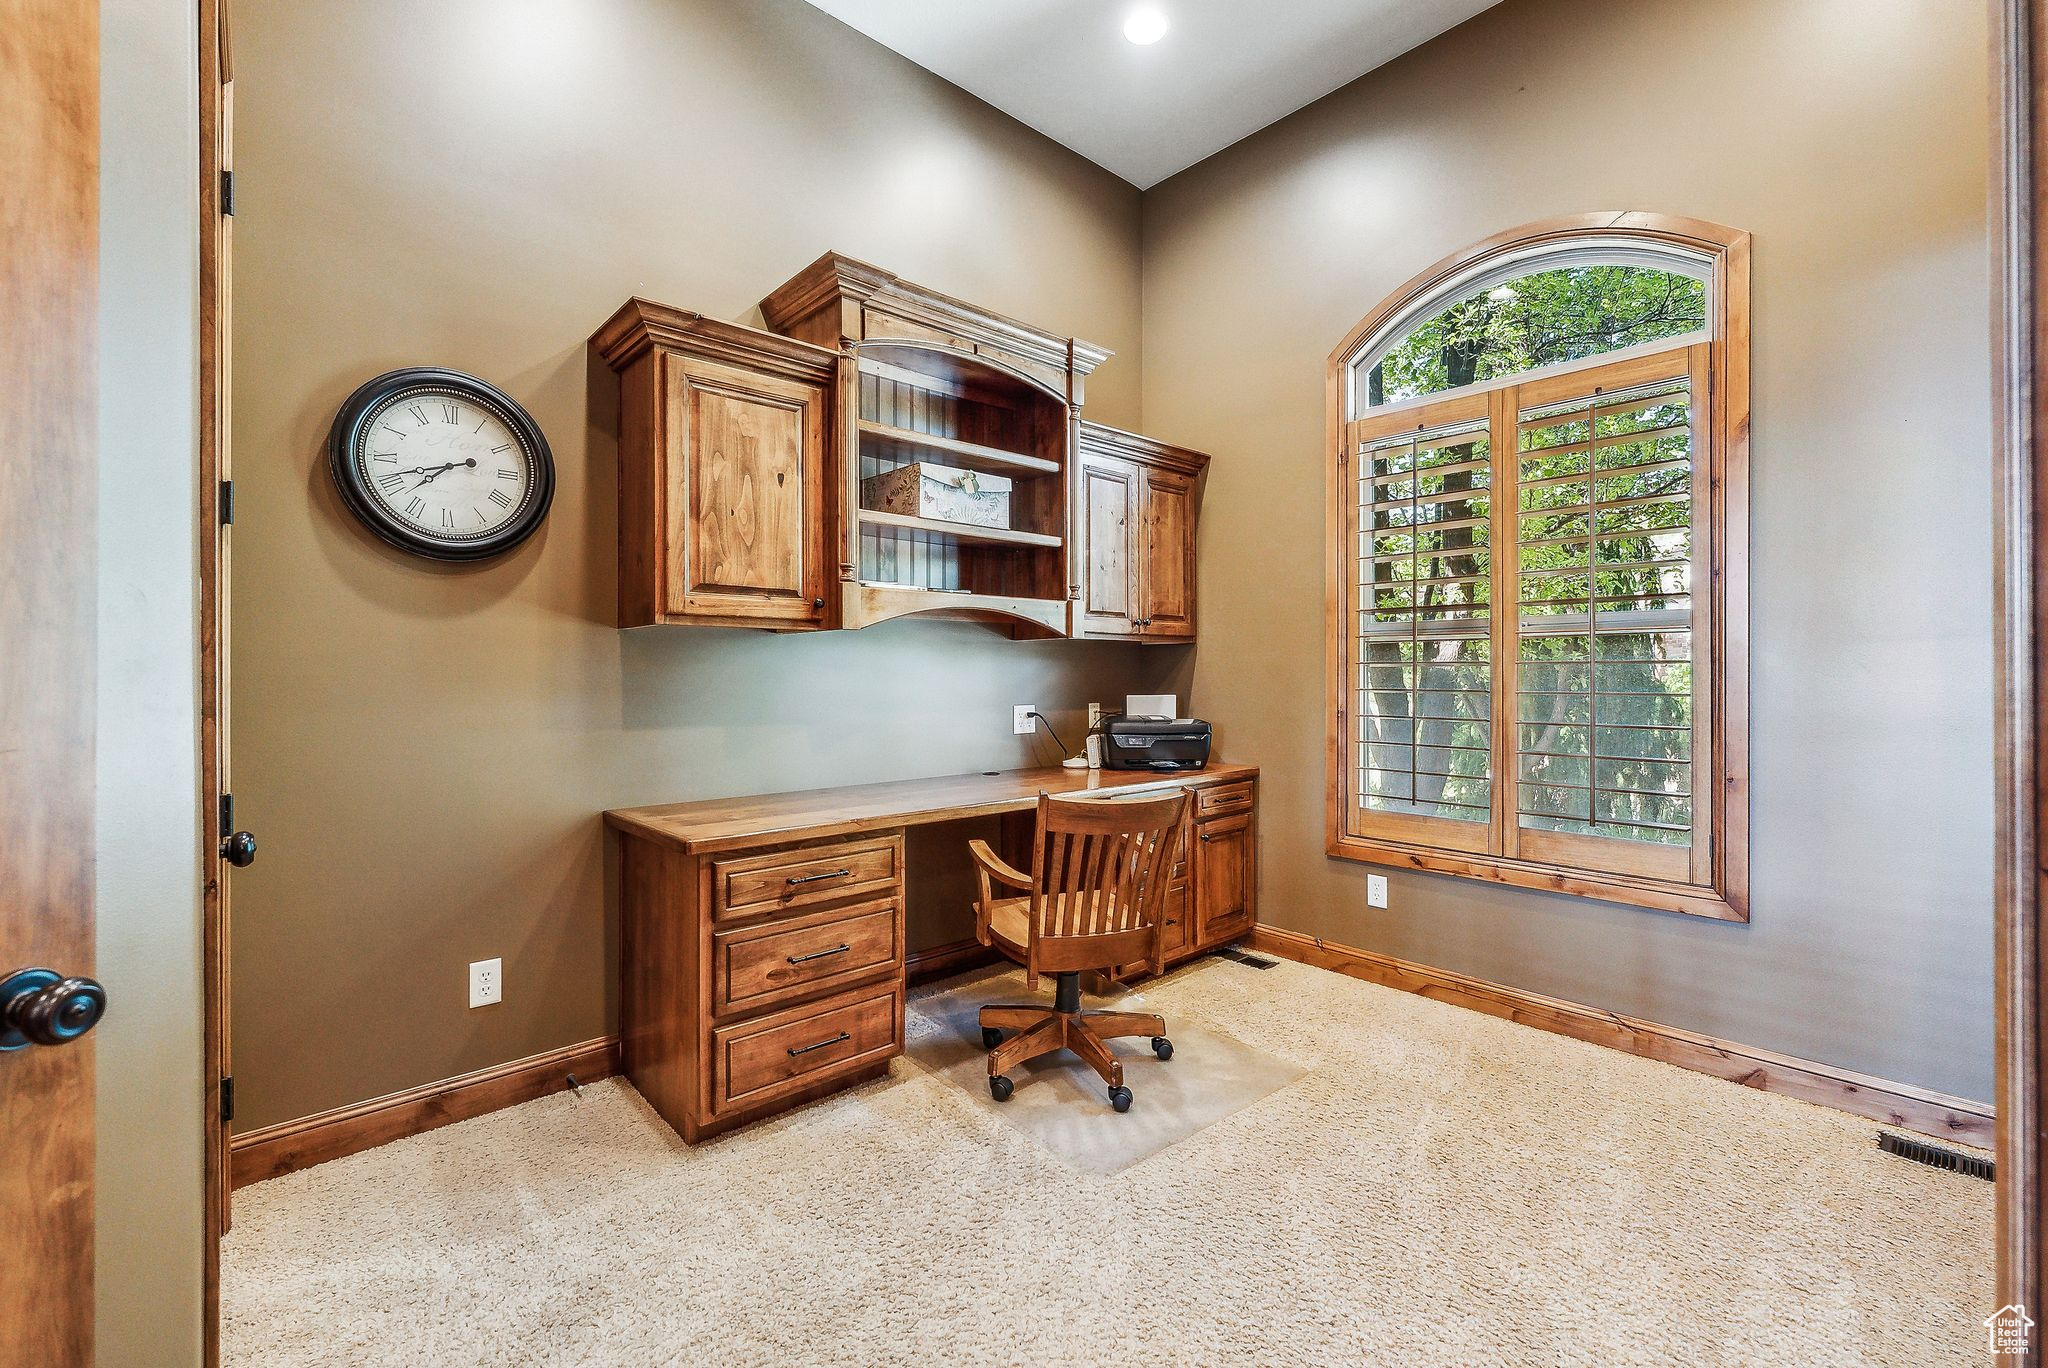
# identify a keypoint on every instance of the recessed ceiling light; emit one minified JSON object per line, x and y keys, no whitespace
{"x":1145,"y":26}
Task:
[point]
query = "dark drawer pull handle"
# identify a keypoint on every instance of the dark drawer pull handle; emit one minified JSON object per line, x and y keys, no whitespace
{"x":818,"y":954}
{"x":813,"y":878}
{"x":806,"y":1049}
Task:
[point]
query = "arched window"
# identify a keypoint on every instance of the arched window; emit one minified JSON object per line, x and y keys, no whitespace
{"x":1538,"y":493}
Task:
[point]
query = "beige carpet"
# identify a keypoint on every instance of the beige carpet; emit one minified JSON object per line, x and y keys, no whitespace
{"x":1438,"y":1187}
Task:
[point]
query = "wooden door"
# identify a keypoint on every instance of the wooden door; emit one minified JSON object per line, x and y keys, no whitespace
{"x":1223,"y":878}
{"x":1168,"y":550}
{"x":216,"y":537}
{"x":745,"y":490}
{"x":1109,"y":525}
{"x":2021,"y":511}
{"x":49,"y":143}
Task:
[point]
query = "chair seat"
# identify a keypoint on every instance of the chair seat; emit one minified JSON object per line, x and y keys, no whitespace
{"x":1009,"y":926}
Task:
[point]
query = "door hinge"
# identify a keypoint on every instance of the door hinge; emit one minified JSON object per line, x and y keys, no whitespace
{"x":227,"y":194}
{"x":227,"y":1098}
{"x":227,"y":814}
{"x":227,"y":503}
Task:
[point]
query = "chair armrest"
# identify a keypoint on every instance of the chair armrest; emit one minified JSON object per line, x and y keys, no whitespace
{"x":996,"y":865}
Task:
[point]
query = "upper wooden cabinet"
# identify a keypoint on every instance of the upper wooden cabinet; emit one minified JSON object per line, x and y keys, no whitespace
{"x":724,"y":459}
{"x":761,"y":473}
{"x":1135,"y":532}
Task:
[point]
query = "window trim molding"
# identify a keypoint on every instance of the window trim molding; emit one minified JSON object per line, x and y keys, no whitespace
{"x":1725,"y":896}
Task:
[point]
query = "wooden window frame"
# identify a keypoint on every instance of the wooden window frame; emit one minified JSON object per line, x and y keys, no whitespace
{"x":1720,"y":889}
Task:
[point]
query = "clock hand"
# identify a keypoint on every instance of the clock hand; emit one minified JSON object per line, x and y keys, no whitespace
{"x":433,"y":475}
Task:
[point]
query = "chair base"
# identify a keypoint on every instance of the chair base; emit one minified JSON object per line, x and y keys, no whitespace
{"x":1041,"y":1030}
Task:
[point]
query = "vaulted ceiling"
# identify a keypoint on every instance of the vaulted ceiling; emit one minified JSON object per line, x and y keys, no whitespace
{"x":1222,"y":70}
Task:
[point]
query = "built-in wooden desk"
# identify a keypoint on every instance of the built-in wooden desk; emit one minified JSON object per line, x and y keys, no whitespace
{"x":763,"y":951}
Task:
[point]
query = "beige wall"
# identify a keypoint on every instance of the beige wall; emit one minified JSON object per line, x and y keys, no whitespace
{"x":1850,"y":137}
{"x":148,"y":1050}
{"x":422,"y":751}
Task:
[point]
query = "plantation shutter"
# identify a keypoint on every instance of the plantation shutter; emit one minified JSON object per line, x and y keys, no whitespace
{"x":1423,"y":639}
{"x":1526,"y":557}
{"x":1607,"y":528}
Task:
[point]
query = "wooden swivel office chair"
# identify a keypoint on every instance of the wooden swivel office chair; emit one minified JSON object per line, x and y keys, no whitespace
{"x":1093,"y":900}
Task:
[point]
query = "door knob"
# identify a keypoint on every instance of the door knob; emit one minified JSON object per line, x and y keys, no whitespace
{"x":239,"y":850}
{"x":39,"y":1008}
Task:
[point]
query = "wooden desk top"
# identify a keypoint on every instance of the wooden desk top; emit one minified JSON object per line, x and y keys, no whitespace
{"x":720,"y":824}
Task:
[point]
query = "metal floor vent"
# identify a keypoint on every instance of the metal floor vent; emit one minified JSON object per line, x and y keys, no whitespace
{"x":1936,"y":1156}
{"x":1231,"y":952}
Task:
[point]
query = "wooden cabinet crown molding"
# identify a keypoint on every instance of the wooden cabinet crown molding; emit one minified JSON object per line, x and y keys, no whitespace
{"x":1104,"y":440}
{"x":641,"y":324}
{"x":804,"y":306}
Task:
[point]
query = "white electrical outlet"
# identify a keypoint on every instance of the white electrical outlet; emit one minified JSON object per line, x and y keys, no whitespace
{"x":1094,"y":716}
{"x":1376,"y":890}
{"x":486,"y":982}
{"x":1022,"y":723}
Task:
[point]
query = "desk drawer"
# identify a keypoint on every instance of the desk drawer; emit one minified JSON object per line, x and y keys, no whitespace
{"x":807,"y":877}
{"x":1223,"y":798}
{"x":770,"y":963}
{"x":768,"y":1058}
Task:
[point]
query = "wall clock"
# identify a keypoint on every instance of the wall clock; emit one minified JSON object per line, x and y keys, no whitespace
{"x":441,"y":464}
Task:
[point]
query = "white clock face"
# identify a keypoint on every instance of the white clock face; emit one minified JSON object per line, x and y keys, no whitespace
{"x":444,"y":465}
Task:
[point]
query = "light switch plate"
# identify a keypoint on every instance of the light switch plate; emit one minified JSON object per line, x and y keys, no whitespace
{"x":486,"y":982}
{"x":1021,"y":721}
{"x":1376,"y":890}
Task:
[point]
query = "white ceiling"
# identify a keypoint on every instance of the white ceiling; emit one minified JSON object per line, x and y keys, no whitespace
{"x":1225,"y":69}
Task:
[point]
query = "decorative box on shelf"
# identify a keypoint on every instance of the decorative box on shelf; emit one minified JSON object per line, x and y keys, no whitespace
{"x":941,"y":493}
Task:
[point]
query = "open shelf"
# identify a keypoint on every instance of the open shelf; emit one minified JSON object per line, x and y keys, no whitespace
{"x":934,"y":403}
{"x":884,"y":439}
{"x":965,"y":532}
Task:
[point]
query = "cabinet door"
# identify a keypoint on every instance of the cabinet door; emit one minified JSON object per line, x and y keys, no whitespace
{"x":1224,"y":874}
{"x":1167,"y":574}
{"x":1176,"y":936}
{"x":1109,"y":547}
{"x":744,"y":492}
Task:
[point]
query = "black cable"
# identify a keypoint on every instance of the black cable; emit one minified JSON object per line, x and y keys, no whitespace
{"x":1055,"y":735}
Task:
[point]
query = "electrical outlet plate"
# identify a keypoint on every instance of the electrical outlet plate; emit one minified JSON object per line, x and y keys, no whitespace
{"x":486,"y":982}
{"x":1022,"y":723}
{"x":1376,"y":890}
{"x":1094,"y":716}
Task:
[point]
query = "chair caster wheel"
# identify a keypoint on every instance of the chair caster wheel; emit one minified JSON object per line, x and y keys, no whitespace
{"x":1000,"y":1088}
{"x":1162,"y":1047}
{"x":1120,"y":1098}
{"x":990,"y":1037}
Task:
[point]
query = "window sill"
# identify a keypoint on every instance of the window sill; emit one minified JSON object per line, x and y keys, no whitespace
{"x":1689,"y":899}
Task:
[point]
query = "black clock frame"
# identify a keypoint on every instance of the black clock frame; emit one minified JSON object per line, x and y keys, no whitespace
{"x":344,"y":442}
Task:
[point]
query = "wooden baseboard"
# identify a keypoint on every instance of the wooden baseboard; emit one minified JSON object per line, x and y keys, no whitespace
{"x":944,"y":961}
{"x":1894,"y":1104}
{"x":294,"y":1145}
